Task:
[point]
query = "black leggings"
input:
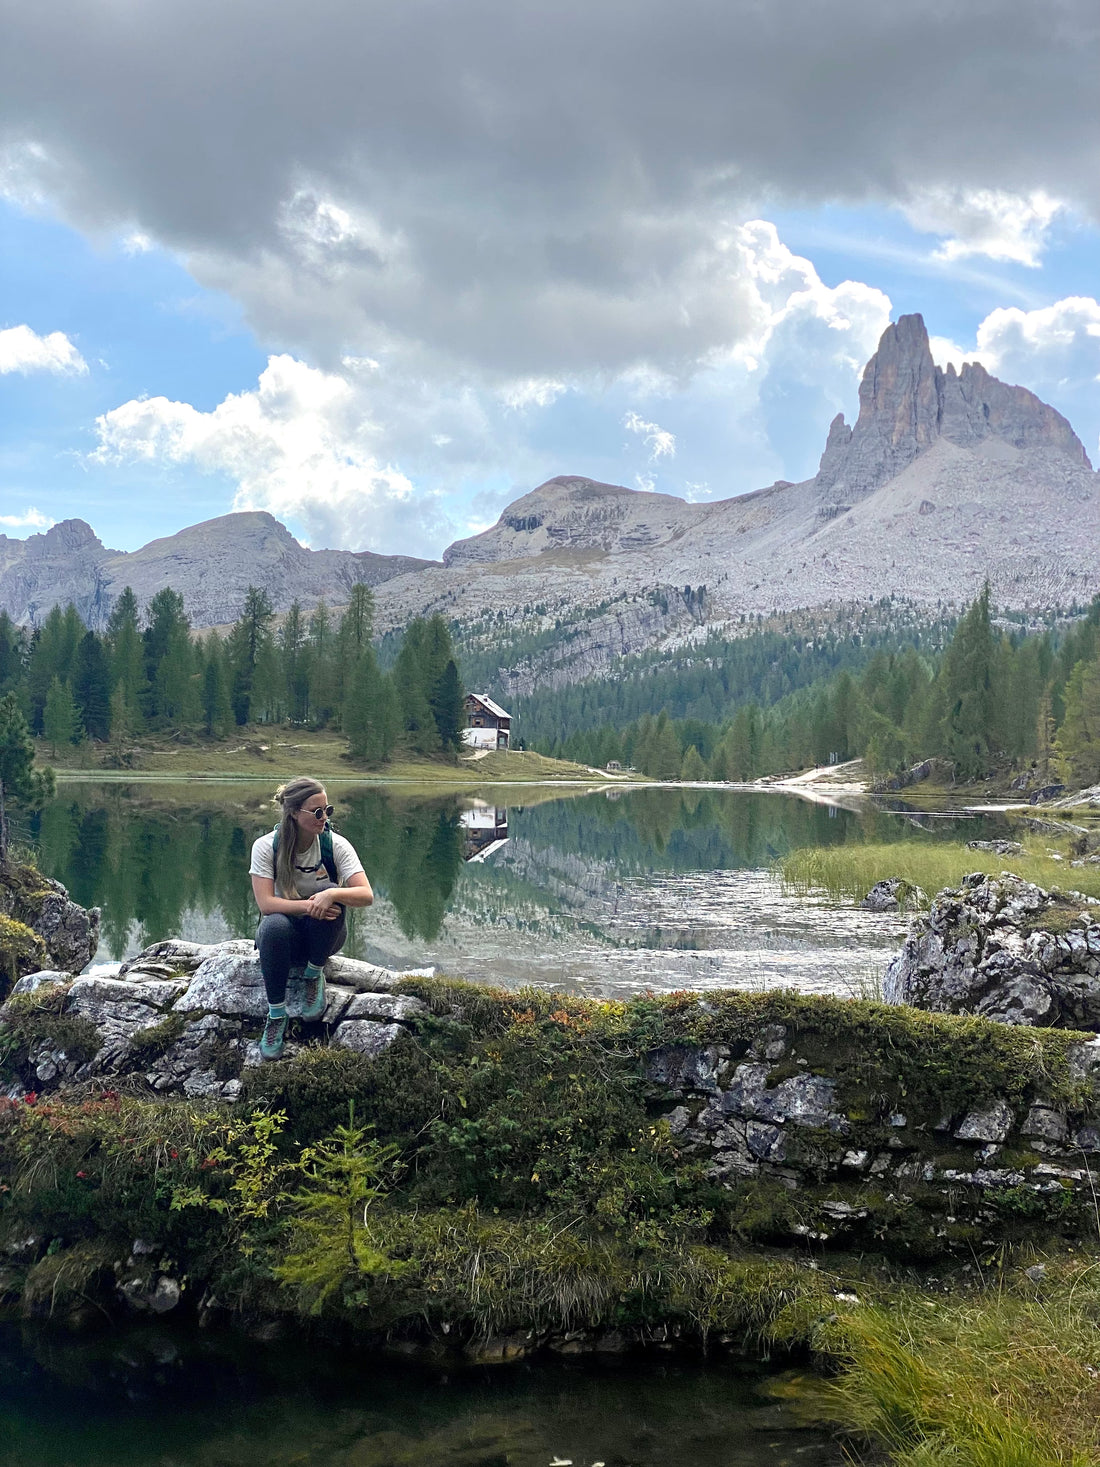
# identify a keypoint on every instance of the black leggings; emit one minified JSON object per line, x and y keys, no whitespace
{"x":286,"y":942}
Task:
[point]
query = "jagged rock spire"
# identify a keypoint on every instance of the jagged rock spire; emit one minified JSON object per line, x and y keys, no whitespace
{"x":906,"y":403}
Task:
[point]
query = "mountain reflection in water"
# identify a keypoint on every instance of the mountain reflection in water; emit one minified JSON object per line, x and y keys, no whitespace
{"x":607,"y":893}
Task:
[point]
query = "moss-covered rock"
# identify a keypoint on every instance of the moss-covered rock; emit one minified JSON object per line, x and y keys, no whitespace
{"x":21,"y":951}
{"x":68,"y":932}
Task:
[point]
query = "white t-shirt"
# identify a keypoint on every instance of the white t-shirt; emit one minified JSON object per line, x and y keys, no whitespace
{"x":309,"y":873}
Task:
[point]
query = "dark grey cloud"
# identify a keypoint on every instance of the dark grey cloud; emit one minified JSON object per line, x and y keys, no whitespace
{"x":520,"y":187}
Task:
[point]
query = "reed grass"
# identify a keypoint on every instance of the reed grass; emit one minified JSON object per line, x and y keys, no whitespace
{"x":1006,"y":1377}
{"x":847,"y":873}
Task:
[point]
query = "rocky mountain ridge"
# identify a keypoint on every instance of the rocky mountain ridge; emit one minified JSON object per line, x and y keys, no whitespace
{"x":211,"y":563}
{"x":944,"y":479}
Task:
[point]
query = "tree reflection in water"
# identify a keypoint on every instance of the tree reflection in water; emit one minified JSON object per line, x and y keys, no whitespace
{"x":148,"y":862}
{"x":161,"y":860}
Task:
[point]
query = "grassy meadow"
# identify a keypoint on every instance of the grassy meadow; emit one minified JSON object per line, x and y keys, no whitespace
{"x":846,"y":873}
{"x":268,"y":753}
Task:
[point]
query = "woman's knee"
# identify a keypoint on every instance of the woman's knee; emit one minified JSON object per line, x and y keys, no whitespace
{"x":275,"y":930}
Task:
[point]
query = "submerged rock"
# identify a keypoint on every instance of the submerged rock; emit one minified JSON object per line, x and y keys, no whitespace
{"x":1006,"y":949}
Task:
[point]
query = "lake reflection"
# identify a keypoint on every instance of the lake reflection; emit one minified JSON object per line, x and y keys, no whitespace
{"x":609,"y":892}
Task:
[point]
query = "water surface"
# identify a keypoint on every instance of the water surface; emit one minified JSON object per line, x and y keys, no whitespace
{"x":610,"y":892}
{"x":158,"y":1400}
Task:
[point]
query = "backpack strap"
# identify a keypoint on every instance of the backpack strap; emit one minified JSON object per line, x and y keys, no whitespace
{"x":328,"y":855}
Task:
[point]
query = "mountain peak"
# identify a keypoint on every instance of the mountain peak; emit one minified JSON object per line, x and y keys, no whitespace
{"x":906,"y":403}
{"x":66,"y":537}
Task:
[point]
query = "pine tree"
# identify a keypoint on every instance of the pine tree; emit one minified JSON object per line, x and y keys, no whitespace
{"x":127,"y":656}
{"x":217,"y":708}
{"x":370,"y":721}
{"x":53,"y":654}
{"x":13,"y":652}
{"x":249,"y":640}
{"x":19,"y":780}
{"x":413,"y":686}
{"x":352,"y":636}
{"x":268,"y":696}
{"x":60,"y":720}
{"x":693,"y":768}
{"x":968,"y":681}
{"x":1077,"y":749}
{"x":91,"y":686}
{"x":122,"y":721}
{"x":357,"y":622}
{"x":447,"y":707}
{"x":322,"y":666}
{"x":665,"y":758}
{"x":169,"y":661}
{"x":294,"y":651}
{"x":332,"y":1247}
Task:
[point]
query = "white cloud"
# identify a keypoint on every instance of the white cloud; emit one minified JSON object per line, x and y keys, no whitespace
{"x":136,"y":243}
{"x":340,"y":451}
{"x":301,"y":445}
{"x":945,"y":351}
{"x":528,"y":392}
{"x":23,"y":350}
{"x":991,"y":222}
{"x":30,"y":519}
{"x":1068,"y":333}
{"x":660,"y":442}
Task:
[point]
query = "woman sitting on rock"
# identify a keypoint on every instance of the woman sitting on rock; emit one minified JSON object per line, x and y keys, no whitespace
{"x":303,"y":877}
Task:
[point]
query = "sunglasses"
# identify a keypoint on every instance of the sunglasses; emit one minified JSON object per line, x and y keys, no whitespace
{"x":321,"y":812}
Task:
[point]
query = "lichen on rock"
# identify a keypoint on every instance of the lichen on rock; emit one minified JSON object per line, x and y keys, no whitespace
{"x":1005,"y":949}
{"x":68,"y":932}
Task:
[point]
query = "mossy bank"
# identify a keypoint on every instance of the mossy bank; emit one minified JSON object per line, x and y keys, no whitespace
{"x":523,"y":1171}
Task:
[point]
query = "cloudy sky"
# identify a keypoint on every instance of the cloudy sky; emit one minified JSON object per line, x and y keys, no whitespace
{"x":380,"y":268}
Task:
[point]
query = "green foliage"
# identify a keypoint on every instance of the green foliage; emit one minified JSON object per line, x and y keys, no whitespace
{"x":847,"y":873}
{"x":60,"y":719}
{"x":37,"y":1019}
{"x":332,"y":1246}
{"x":772,"y":702}
{"x":249,"y":646}
{"x":1004,"y":1378}
{"x":19,"y":780}
{"x":92,"y":686}
{"x":307,"y":670}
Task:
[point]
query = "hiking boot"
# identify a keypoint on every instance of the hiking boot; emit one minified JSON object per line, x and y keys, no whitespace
{"x":314,"y":998}
{"x":271,"y":1040}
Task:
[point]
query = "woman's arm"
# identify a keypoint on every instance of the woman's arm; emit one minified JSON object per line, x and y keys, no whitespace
{"x":355,"y":893}
{"x":263,"y":889}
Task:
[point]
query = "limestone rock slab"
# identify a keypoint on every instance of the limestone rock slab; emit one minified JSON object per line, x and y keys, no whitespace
{"x":366,"y":1036}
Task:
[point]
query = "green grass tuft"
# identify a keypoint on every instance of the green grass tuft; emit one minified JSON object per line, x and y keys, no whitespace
{"x":847,"y":873}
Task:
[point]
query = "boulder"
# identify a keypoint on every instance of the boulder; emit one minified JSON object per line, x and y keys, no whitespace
{"x":996,"y":847}
{"x":69,"y":932}
{"x":892,"y":895}
{"x":184,"y":1018}
{"x":1006,"y":949}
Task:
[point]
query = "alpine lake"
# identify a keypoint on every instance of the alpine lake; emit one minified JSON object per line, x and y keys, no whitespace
{"x":607,"y":892}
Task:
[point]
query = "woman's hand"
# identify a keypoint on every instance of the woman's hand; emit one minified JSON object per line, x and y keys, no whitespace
{"x":323,"y":905}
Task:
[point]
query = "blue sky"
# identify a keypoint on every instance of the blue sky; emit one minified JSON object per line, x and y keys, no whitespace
{"x":263,"y":288}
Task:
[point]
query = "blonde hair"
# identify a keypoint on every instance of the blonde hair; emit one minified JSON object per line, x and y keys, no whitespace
{"x":291,"y":797}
